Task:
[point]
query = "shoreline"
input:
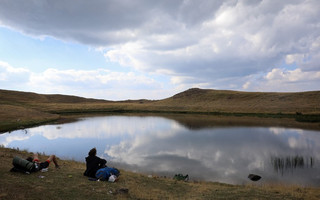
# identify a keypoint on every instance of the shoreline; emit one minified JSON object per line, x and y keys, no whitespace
{"x":308,"y":122}
{"x":300,"y":109}
{"x":68,"y":182}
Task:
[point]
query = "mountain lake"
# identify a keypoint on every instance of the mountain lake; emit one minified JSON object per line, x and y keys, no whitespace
{"x":164,"y":146}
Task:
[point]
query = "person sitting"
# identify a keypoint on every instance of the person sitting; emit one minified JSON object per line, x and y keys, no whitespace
{"x":45,"y":164}
{"x":93,"y":163}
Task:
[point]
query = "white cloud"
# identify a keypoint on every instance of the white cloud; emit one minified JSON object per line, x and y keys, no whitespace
{"x":277,"y":131}
{"x":246,"y":85}
{"x":11,"y":76}
{"x":84,"y":83}
{"x":294,"y":58}
{"x":210,"y":41}
{"x":279,"y":79}
{"x":238,"y":41}
{"x":98,"y":83}
{"x":286,"y":76}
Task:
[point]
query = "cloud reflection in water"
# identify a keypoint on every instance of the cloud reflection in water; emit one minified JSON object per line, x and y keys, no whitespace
{"x":165,"y":147}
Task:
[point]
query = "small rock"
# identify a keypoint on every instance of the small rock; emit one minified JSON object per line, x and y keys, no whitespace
{"x":254,"y":177}
{"x":123,"y":191}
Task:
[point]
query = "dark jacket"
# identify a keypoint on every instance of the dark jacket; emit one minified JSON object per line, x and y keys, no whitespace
{"x":93,"y":164}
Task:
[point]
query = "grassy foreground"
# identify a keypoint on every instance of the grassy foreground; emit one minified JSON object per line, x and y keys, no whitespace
{"x":69,"y":183}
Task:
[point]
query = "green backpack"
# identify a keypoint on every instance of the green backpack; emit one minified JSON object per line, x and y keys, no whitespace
{"x":23,"y":165}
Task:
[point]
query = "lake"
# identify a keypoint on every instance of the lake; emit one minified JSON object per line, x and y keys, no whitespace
{"x":165,"y":146}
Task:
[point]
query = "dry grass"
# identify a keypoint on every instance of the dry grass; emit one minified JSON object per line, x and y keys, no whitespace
{"x":69,"y":183}
{"x":22,"y":109}
{"x":244,"y":102}
{"x":19,"y":109}
{"x":192,"y":100}
{"x":14,"y":117}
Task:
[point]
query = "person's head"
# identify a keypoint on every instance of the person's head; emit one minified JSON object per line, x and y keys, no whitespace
{"x":93,"y":152}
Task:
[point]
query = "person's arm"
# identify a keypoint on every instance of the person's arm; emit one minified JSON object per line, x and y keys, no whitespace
{"x":102,"y":162}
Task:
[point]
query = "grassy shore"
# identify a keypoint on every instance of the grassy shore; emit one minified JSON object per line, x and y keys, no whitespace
{"x":299,"y":110}
{"x":69,"y":183}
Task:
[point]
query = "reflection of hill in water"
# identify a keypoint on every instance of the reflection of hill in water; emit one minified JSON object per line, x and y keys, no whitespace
{"x":289,"y":163}
{"x":200,"y":121}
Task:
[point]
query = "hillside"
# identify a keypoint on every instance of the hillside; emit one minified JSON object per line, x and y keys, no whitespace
{"x":24,"y":109}
{"x":244,"y":102}
{"x":192,"y":100}
{"x":9,"y":97}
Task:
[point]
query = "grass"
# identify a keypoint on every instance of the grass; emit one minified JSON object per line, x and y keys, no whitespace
{"x":307,"y":118}
{"x":203,"y":108}
{"x":15,"y":117}
{"x":69,"y":183}
{"x":299,"y":110}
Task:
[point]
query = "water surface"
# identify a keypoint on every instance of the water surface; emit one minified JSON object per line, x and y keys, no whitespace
{"x":164,"y":147}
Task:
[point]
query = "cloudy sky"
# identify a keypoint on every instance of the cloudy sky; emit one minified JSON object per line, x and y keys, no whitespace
{"x":124,"y":49}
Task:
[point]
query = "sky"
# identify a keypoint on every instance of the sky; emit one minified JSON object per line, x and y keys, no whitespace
{"x":148,"y":49}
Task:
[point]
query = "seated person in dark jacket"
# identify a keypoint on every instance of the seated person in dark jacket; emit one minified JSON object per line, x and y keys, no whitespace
{"x":93,"y":163}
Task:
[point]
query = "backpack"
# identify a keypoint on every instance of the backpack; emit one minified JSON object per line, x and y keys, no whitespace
{"x":181,"y":177}
{"x":103,"y":174}
{"x":23,"y":165}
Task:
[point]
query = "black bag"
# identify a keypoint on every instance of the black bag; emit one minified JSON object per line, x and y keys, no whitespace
{"x":23,"y":165}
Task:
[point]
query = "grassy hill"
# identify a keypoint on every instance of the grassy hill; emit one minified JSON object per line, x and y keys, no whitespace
{"x":192,"y":100}
{"x":22,"y":109}
{"x":9,"y":97}
{"x":244,"y":102}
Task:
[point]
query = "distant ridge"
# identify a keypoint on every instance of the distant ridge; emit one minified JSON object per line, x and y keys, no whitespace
{"x":191,"y":100}
{"x":244,"y":102}
{"x":191,"y":92}
{"x":197,"y":91}
{"x":24,"y":97}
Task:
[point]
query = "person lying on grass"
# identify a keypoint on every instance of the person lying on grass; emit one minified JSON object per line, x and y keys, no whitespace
{"x":45,"y":164}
